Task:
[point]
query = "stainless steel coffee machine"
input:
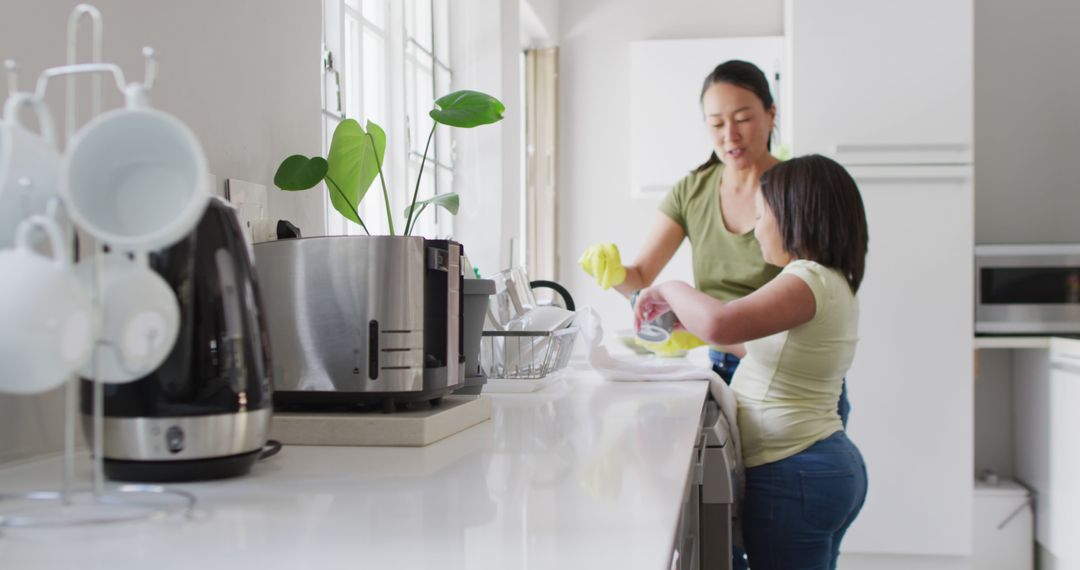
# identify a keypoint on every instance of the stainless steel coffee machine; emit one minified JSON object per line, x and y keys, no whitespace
{"x":363,"y":320}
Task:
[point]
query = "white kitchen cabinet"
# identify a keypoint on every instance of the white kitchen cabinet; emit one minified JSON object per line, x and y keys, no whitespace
{"x":1046,"y":399}
{"x":878,"y":82}
{"x":1063,"y":508}
{"x":911,"y":382}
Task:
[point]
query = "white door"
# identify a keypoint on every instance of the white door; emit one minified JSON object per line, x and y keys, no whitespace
{"x":877,"y":82}
{"x":911,"y":384}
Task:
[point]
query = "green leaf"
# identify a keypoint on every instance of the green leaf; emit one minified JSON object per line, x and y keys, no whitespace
{"x":350,"y":149}
{"x":299,"y":172}
{"x":467,"y":109}
{"x":449,"y":201}
{"x":376,"y":149}
{"x":378,"y":141}
{"x":378,"y":137}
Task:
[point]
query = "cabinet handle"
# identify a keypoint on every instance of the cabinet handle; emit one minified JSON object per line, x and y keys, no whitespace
{"x":900,"y":148}
{"x":912,"y":179}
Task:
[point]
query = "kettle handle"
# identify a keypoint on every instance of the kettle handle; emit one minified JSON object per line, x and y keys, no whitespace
{"x":558,"y":289}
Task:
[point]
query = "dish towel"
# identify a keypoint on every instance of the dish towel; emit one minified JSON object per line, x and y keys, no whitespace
{"x":639,"y":369}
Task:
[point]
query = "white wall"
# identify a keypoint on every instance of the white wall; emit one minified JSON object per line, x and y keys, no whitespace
{"x":486,"y":52}
{"x":243,"y":74}
{"x":594,"y":123}
{"x":994,"y":424}
{"x":1027,"y":121}
{"x":539,"y":22}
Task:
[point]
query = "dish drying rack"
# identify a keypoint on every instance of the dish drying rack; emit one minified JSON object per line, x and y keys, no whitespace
{"x":526,"y":355}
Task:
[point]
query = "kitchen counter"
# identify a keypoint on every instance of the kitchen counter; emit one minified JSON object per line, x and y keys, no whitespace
{"x":582,"y":474}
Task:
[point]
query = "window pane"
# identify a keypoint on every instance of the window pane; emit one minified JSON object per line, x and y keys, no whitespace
{"x":445,"y":185}
{"x":374,"y":12}
{"x":426,"y":222}
{"x":353,"y":4}
{"x":375,"y":79}
{"x":373,"y":210}
{"x":424,"y":101}
{"x":418,"y":22}
{"x":441,"y":19}
{"x":444,"y":135}
{"x":352,"y":68}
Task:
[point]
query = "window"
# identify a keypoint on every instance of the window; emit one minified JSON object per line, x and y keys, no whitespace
{"x":394,"y":62}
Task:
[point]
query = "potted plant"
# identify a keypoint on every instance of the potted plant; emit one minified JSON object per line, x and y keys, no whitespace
{"x":356,"y":157}
{"x":367,"y":284}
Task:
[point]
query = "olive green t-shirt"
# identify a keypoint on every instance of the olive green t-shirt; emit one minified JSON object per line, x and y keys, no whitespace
{"x":727,"y":265}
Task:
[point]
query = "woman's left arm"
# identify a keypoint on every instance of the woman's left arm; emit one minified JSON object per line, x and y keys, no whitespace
{"x":781,"y":304}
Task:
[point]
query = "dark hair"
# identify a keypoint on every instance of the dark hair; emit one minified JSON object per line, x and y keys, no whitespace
{"x":741,"y":74}
{"x":819,"y":213}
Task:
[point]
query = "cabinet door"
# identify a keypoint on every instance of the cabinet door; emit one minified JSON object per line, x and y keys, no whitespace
{"x":1063,"y":504}
{"x":911,"y":384}
{"x":875,"y":82}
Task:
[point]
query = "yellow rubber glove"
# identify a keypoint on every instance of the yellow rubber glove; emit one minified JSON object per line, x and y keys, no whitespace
{"x":676,"y":345}
{"x":602,"y":262}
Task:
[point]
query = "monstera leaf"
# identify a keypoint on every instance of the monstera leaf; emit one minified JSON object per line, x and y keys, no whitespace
{"x":449,"y":202}
{"x":467,"y":109}
{"x":299,"y":172}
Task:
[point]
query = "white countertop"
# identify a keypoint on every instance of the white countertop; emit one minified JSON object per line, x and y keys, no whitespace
{"x":582,"y":474}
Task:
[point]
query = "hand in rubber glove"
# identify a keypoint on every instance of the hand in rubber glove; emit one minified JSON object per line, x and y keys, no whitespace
{"x":675,"y":345}
{"x":602,"y":262}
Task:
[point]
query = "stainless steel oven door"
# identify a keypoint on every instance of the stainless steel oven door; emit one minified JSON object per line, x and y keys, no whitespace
{"x":1027,"y":289}
{"x":717,"y":492}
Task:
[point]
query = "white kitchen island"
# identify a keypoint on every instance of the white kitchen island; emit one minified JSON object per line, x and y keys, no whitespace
{"x":582,"y":474}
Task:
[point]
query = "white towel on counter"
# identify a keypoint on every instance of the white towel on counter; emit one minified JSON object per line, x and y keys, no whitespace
{"x":655,"y":369}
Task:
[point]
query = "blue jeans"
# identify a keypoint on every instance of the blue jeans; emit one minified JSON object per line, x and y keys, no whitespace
{"x":796,"y":510}
{"x":725,"y":364}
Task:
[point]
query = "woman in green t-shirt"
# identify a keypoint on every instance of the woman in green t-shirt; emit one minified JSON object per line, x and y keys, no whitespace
{"x":713,"y":206}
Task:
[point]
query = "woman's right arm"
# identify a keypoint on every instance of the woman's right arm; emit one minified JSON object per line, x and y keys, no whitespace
{"x":660,"y":246}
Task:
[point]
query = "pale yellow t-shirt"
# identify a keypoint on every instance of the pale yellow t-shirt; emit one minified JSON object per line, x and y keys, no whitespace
{"x":788,"y":383}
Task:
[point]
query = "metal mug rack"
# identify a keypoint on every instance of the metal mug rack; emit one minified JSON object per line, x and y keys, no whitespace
{"x":99,"y":504}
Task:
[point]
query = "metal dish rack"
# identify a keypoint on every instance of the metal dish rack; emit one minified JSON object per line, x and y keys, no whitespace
{"x":526,"y":355}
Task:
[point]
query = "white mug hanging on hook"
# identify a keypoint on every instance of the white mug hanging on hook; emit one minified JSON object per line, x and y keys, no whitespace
{"x":140,"y":319}
{"x":29,"y":163}
{"x":134,"y":178}
{"x":49,"y":324}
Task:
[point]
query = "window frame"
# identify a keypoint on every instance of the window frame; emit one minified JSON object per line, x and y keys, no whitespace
{"x":403,"y":107}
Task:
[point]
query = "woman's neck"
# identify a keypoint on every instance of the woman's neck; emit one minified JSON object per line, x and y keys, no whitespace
{"x":747,"y":178}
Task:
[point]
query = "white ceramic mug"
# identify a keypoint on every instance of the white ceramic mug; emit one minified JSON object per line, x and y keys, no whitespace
{"x":48,"y":317}
{"x":29,"y":165}
{"x":140,"y":319}
{"x":135,"y":178}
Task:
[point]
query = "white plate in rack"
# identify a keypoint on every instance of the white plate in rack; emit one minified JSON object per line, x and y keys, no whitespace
{"x":518,"y":385}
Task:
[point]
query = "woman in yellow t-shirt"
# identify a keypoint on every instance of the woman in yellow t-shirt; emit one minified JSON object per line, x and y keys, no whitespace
{"x":805,"y":480}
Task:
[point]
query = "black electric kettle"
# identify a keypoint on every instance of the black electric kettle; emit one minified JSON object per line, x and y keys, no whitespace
{"x":205,"y":412}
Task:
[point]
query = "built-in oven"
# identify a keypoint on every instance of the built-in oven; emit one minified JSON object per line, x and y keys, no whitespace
{"x":1027,"y":289}
{"x":704,"y":536}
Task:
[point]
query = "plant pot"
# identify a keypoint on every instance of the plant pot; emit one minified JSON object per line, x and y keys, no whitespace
{"x":476,"y":294}
{"x":362,"y":319}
